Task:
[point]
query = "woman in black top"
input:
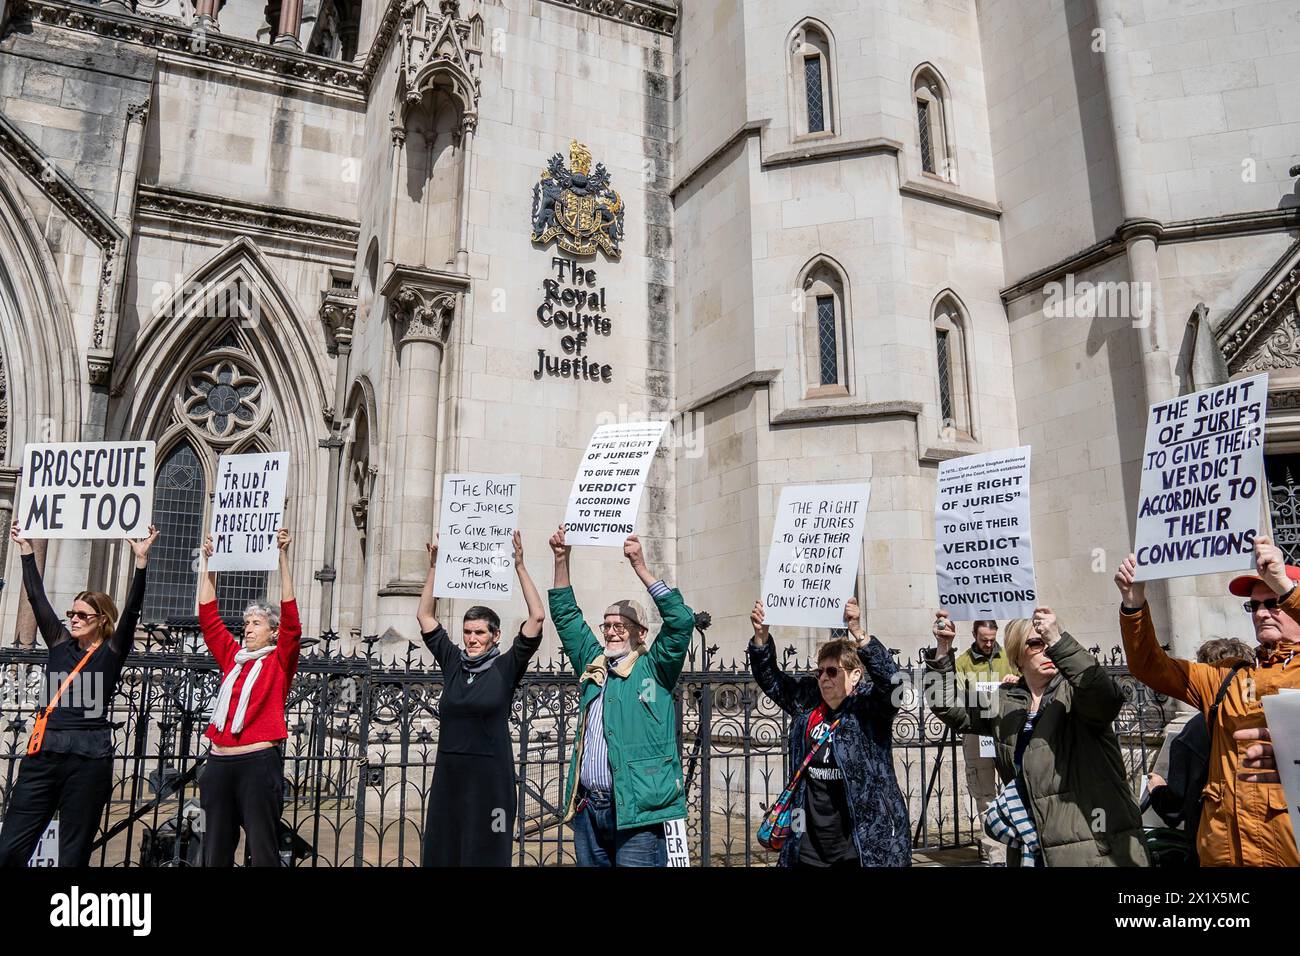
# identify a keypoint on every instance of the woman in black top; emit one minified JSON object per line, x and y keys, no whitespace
{"x":473,"y":800}
{"x":72,"y":769}
{"x":852,"y":809}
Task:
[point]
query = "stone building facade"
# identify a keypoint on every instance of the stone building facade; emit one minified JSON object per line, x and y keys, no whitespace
{"x":842,"y":239}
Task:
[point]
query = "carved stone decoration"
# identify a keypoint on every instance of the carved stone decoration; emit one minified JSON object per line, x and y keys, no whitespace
{"x":658,"y":16}
{"x":173,"y":205}
{"x":441,"y":50}
{"x":577,"y":208}
{"x":1281,"y":349}
{"x":1281,"y":300}
{"x":425,"y":314}
{"x":338,"y":311}
{"x":73,"y":203}
{"x":222,"y":399}
{"x":4,"y":408}
{"x":1284,"y":400}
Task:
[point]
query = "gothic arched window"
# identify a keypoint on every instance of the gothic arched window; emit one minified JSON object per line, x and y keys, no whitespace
{"x":953,"y":374}
{"x":812,"y":79}
{"x":825,"y":329}
{"x":933,"y":130}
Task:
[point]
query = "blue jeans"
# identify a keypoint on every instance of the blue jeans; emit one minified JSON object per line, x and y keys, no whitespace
{"x":596,"y":842}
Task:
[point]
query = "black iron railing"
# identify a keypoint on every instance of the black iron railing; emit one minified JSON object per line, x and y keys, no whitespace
{"x":363,"y":735}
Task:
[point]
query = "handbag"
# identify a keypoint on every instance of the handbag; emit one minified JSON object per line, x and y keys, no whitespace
{"x":775,"y":828}
{"x":38,"y":730}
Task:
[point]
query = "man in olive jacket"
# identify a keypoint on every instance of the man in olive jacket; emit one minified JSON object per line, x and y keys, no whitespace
{"x":625,"y":776}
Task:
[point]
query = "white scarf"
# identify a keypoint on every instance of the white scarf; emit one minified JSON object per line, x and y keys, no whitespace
{"x":228,"y":689}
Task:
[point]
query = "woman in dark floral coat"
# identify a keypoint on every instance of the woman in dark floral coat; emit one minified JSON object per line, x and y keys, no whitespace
{"x":848,"y":808}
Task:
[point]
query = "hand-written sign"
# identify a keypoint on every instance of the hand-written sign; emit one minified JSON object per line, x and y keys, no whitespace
{"x":87,"y":489}
{"x":574,"y":306}
{"x":679,"y":853}
{"x":1202,"y":482}
{"x":982,"y":552}
{"x":607,"y":490}
{"x":813,"y":561}
{"x":248,"y":509}
{"x":475,"y":550}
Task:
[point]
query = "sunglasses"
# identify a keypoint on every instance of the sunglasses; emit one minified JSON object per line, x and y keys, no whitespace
{"x":1034,"y":645}
{"x":832,"y":672}
{"x":80,"y":616}
{"x":1269,"y":604}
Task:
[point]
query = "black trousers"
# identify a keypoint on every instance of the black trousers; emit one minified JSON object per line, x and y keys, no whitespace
{"x":76,"y":787}
{"x":246,"y":791}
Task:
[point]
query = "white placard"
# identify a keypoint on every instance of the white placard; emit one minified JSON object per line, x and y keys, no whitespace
{"x":1282,"y":712}
{"x":986,"y":690}
{"x":606,"y":493}
{"x":87,"y":489}
{"x":813,"y":561}
{"x":679,"y":853}
{"x":247,"y":511}
{"x":46,"y":854}
{"x":983,"y":555}
{"x":475,"y":550}
{"x":1203,"y":482}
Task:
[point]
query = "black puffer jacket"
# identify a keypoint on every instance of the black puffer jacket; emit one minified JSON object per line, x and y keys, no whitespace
{"x":862,"y":748}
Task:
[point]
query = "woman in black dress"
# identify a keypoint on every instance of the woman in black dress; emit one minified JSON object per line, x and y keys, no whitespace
{"x":473,"y":800}
{"x":69,"y":763}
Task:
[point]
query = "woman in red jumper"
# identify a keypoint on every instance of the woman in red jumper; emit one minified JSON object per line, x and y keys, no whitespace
{"x":243,"y":779}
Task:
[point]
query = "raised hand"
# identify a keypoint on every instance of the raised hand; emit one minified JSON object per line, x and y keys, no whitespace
{"x":1270,"y":564}
{"x":517,"y":540}
{"x":632,"y":551}
{"x":432,"y":548}
{"x":1045,"y":625}
{"x":853,"y":617}
{"x":756,"y":617}
{"x":945,"y":632}
{"x":142,"y":546}
{"x":207,"y":547}
{"x":282,"y":541}
{"x":1131,"y":593}
{"x":558,"y":546}
{"x":15,"y":532}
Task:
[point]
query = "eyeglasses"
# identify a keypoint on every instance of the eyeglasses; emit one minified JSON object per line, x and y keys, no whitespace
{"x":608,"y":628}
{"x":80,"y":616}
{"x":1269,"y":604}
{"x":832,"y":672}
{"x":1034,"y":645}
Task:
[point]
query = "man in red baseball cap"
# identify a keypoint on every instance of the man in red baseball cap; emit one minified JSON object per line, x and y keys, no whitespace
{"x":1244,"y":819}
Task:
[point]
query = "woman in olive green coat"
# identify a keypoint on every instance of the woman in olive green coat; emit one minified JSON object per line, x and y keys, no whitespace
{"x":1053,"y":734}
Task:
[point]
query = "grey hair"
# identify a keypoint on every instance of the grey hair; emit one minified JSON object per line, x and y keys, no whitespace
{"x":272,"y":614}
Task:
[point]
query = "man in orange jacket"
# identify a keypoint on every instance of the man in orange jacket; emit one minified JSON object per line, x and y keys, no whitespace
{"x":1244,"y":820}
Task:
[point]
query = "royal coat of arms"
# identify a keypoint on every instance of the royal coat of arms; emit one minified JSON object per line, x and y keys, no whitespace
{"x":576,"y":207}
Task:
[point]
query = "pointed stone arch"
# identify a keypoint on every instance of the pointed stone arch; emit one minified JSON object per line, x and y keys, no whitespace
{"x":37,"y":340}
{"x":232,"y":330}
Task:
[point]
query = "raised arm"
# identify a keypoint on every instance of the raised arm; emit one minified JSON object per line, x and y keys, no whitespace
{"x":221,"y":643}
{"x":48,"y":623}
{"x":940,"y":684}
{"x":1147,"y":660}
{"x":207,"y":579}
{"x":667,"y":654}
{"x":124,"y":633}
{"x":532,"y":627}
{"x":425,"y":614}
{"x":289,"y":641}
{"x":793,"y":695}
{"x":282,"y":539}
{"x":878,"y":664}
{"x":1096,"y":697}
{"x":580,"y":645}
{"x":561,"y":552}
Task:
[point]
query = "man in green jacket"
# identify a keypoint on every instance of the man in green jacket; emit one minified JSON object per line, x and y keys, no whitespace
{"x":625,"y":775}
{"x":984,"y":662}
